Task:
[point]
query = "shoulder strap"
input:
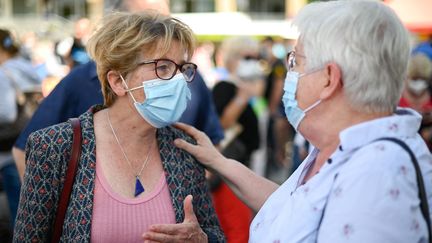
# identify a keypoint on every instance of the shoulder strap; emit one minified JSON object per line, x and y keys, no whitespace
{"x":424,"y":206}
{"x":70,"y":176}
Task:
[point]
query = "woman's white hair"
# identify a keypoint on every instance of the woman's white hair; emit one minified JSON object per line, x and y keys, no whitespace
{"x":368,"y":42}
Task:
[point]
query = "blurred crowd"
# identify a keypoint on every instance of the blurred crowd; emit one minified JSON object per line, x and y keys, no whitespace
{"x":245,"y":76}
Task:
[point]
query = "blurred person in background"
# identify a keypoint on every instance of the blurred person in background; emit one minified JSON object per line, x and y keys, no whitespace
{"x":425,"y":48}
{"x":27,"y":42}
{"x":234,"y":99}
{"x":362,"y":181}
{"x":203,"y":57}
{"x":280,"y":133}
{"x":417,"y":94}
{"x":234,"y":95}
{"x":130,"y":175}
{"x":72,"y":50}
{"x":47,"y":65}
{"x":274,"y":53}
{"x":20,"y":86}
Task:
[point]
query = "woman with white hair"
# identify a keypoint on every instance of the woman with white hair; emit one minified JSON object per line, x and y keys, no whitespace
{"x":360,"y":183}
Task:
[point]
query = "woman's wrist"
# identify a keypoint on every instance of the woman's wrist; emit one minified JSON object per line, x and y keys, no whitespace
{"x":218,"y":165}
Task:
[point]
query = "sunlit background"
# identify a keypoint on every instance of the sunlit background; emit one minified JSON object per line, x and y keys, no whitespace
{"x":209,"y":18}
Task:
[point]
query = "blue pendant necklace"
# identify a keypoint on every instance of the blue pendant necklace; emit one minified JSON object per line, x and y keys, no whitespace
{"x":139,"y":188}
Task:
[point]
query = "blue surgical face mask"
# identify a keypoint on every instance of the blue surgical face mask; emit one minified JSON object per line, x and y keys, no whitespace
{"x":165,"y":102}
{"x":293,"y":112}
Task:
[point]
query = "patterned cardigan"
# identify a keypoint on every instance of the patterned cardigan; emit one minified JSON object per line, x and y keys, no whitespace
{"x":47,"y":154}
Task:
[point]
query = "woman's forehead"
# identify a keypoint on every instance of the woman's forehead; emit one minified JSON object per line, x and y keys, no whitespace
{"x":158,"y":50}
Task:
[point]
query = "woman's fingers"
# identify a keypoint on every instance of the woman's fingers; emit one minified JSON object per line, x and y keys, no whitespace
{"x":182,"y":144}
{"x":204,"y":151}
{"x":196,"y":134}
{"x":190,"y":216}
{"x":192,"y":131}
{"x":200,"y":137}
{"x":169,"y":229}
{"x":151,"y":241}
{"x":160,"y":237}
{"x":188,"y":231}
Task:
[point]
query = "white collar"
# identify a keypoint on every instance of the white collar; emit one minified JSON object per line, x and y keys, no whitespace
{"x":405,"y":122}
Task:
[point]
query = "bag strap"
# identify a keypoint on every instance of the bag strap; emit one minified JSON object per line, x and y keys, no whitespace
{"x":70,"y":176}
{"x":424,"y":206}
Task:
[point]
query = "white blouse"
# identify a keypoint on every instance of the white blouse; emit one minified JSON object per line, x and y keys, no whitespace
{"x":366,"y":192}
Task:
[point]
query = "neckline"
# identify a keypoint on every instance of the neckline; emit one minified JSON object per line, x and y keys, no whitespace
{"x":137,"y":175}
{"x":125,"y":200}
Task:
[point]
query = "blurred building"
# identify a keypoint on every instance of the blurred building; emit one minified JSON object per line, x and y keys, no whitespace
{"x":215,"y":19}
{"x":415,"y":14}
{"x":251,"y":16}
{"x":210,"y":19}
{"x":87,"y":8}
{"x":63,"y":8}
{"x":48,"y":18}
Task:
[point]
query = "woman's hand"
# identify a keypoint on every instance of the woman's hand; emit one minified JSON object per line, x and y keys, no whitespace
{"x":188,"y":231}
{"x":204,"y":151}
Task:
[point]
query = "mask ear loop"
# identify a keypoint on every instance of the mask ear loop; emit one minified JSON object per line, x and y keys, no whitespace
{"x":129,"y":90}
{"x":318,"y":101}
{"x":312,"y":106}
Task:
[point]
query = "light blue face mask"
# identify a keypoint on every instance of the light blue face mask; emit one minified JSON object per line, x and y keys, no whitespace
{"x":165,"y":102}
{"x":293,"y":112}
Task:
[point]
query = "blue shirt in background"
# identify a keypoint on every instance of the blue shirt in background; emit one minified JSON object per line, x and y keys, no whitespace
{"x":425,"y":48}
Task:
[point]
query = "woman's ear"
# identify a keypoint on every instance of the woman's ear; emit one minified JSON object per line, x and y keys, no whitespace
{"x":116,"y":83}
{"x":333,"y":73}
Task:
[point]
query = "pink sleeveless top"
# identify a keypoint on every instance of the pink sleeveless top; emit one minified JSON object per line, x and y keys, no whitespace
{"x":119,"y":219}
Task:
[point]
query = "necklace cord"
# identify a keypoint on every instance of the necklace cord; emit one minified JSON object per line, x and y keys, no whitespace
{"x":123,"y":151}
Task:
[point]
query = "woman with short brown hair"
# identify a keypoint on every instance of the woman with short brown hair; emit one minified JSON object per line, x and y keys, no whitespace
{"x":130,"y":175}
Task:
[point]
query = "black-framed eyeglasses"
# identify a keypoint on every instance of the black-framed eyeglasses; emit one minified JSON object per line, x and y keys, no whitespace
{"x":291,"y":60}
{"x":166,"y":69}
